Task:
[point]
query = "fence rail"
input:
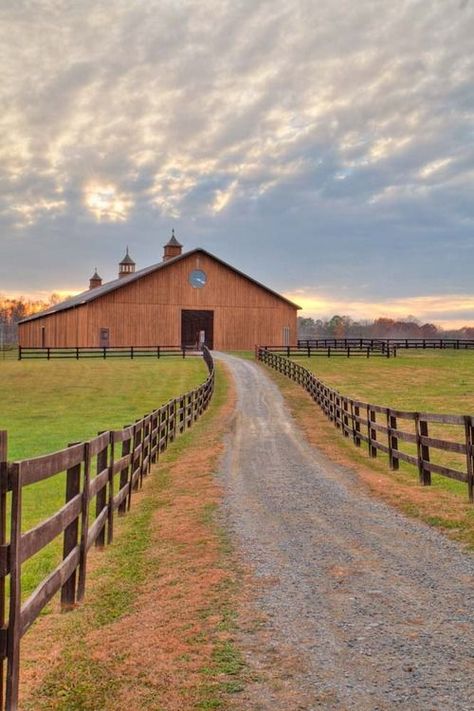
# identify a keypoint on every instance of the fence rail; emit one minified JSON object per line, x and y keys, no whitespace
{"x":364,"y":422}
{"x":386,"y":343}
{"x":101,"y":474}
{"x":104,"y":352}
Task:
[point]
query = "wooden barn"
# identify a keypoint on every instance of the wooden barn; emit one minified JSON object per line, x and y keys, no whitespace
{"x":185,"y":299}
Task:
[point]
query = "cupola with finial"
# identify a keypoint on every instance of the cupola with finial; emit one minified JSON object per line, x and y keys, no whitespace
{"x":95,"y":280}
{"x":126,"y":266}
{"x":172,"y":248}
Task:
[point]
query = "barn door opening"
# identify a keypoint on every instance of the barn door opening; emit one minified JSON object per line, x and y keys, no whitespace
{"x":197,"y":327}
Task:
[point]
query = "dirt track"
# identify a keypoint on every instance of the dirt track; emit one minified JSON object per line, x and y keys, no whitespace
{"x":364,"y":608}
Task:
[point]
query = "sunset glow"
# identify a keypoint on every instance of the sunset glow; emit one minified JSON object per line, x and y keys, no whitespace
{"x":106,"y":203}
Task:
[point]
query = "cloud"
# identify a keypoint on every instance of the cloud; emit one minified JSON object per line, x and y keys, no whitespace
{"x":311,"y":142}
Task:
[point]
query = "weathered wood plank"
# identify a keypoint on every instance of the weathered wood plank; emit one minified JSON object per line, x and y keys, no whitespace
{"x":39,"y":468}
{"x":48,"y":588}
{"x":41,"y":535}
{"x":98,"y":482}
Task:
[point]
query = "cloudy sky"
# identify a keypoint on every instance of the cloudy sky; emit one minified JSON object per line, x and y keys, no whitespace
{"x":325,"y":148}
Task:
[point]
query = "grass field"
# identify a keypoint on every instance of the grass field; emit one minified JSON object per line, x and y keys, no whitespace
{"x":429,"y":381}
{"x":46,"y":405}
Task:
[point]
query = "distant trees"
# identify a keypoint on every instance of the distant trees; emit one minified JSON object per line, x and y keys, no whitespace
{"x":344,"y":327}
{"x":13,"y":310}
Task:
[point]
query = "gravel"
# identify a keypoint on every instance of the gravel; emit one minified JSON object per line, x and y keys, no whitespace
{"x":377,"y":609}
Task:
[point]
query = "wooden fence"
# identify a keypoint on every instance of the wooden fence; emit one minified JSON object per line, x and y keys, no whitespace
{"x":103,"y":352}
{"x":386,"y":343}
{"x":101,"y":476}
{"x":380,"y":427}
{"x":338,"y":349}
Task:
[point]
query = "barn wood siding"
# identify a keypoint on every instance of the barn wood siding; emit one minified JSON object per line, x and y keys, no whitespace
{"x":148,"y":311}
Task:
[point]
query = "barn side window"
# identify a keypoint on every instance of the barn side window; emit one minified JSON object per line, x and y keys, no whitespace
{"x":104,"y":337}
{"x":286,"y":335}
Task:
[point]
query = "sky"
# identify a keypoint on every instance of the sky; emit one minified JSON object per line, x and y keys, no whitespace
{"x":324,"y":148}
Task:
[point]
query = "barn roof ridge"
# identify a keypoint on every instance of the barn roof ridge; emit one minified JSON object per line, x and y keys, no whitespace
{"x":92,"y":294}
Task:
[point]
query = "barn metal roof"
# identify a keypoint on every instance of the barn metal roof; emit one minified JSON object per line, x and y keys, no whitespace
{"x":92,"y":294}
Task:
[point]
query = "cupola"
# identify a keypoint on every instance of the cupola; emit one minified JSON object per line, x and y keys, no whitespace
{"x":172,"y":249}
{"x":126,"y":266}
{"x":95,"y":280}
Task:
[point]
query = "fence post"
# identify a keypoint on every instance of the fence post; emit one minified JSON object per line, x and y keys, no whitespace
{"x":423,"y":451}
{"x":81,"y":586}
{"x":71,"y":532}
{"x":345,"y":428}
{"x":126,"y":448}
{"x":101,"y":496}
{"x":110,"y":499}
{"x":19,"y":352}
{"x":469,"y":428}
{"x":3,"y":537}
{"x":372,"y":433}
{"x":356,"y":426}
{"x":392,"y":441}
{"x":14,"y":621}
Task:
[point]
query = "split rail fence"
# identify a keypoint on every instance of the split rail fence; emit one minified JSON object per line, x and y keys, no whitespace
{"x":385,"y":429}
{"x":101,"y":476}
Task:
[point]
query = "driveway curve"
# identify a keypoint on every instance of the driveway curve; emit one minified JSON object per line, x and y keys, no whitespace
{"x":377,"y":608}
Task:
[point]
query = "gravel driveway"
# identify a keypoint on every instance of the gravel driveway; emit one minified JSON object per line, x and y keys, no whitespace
{"x":376,"y":609}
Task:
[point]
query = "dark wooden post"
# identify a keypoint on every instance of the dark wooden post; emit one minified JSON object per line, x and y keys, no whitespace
{"x":356,"y":426}
{"x":392,"y":441}
{"x":345,"y":428}
{"x":126,"y":448}
{"x":71,"y":532}
{"x":469,"y":429}
{"x":3,"y":538}
{"x":110,"y":498}
{"x":101,"y":497}
{"x":423,"y":451}
{"x":81,"y":586}
{"x":371,"y":419}
{"x":14,"y":619}
{"x":136,"y":458}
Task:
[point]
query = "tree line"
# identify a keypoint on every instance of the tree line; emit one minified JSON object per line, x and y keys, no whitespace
{"x":345,"y":327}
{"x":13,"y":310}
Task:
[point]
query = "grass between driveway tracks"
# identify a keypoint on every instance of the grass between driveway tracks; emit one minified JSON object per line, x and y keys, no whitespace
{"x":156,"y":629}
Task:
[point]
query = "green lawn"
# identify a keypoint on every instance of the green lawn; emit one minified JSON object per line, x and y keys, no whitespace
{"x":48,"y":404}
{"x":430,"y":381}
